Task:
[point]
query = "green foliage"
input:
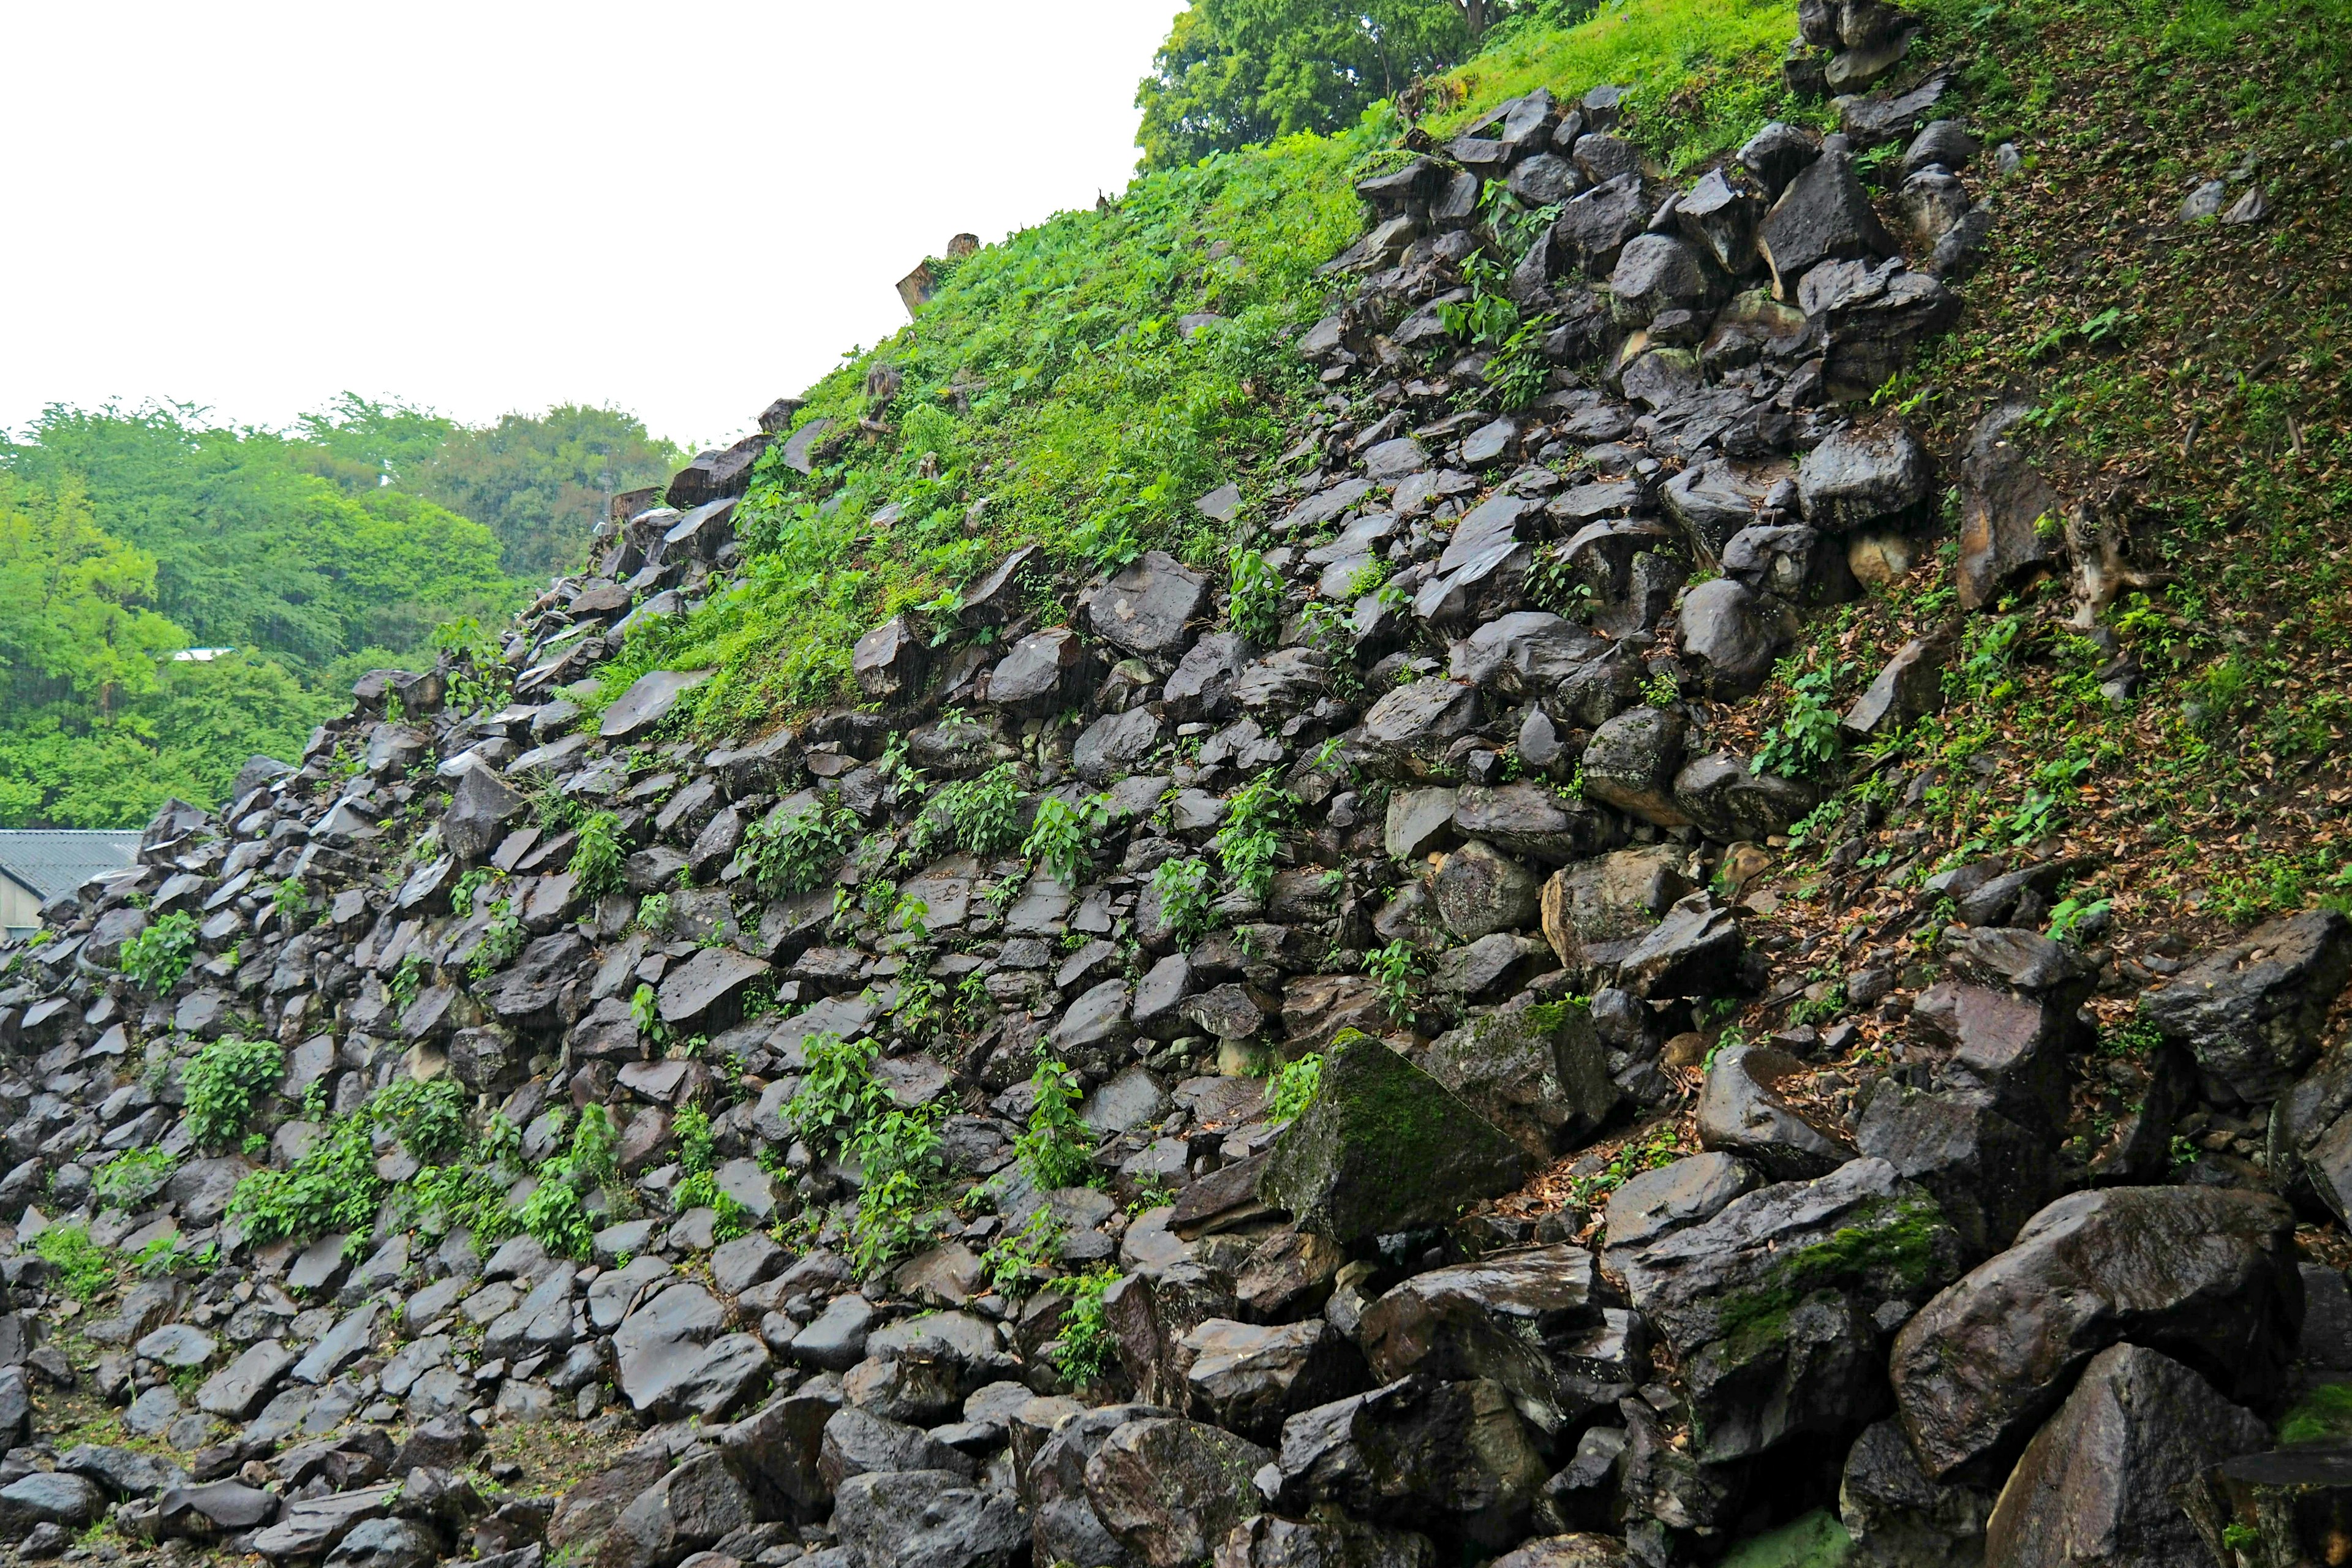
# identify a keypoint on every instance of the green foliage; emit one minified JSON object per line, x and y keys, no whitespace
{"x":555,"y":1213}
{"x":691,"y":1127}
{"x":542,"y":484}
{"x":1293,"y":1088}
{"x":428,"y":1119}
{"x":1233,"y":72}
{"x":597,"y":855}
{"x":1061,"y":839}
{"x":1057,"y":1150}
{"x":1650,"y":1149}
{"x":1183,"y":884}
{"x":501,"y":943}
{"x":837,"y":1094}
{"x":645,"y":1011}
{"x":291,"y":904}
{"x":468,"y":887}
{"x":2067,"y":920}
{"x":1083,"y":1347}
{"x":898,"y":1156}
{"x":1807,"y":740}
{"x":1017,"y":1259}
{"x":1396,"y":969}
{"x":1250,"y":839}
{"x":132,"y":1178}
{"x":222,"y":1082}
{"x":84,"y":1269}
{"x":1255,"y":603}
{"x":986,"y":811}
{"x":125,"y":537}
{"x":333,"y":1187}
{"x":407,"y":980}
{"x":156,"y":958}
{"x":795,"y":852}
{"x":1487,"y":318}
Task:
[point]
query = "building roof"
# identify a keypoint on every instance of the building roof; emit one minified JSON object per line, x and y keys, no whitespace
{"x":56,"y":860}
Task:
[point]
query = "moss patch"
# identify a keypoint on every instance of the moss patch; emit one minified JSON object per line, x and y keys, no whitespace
{"x":1814,"y":1541}
{"x":2323,"y":1416}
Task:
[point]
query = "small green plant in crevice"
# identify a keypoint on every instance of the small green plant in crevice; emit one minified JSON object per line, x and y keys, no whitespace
{"x":501,"y":943}
{"x":597,"y":856}
{"x":407,"y":980}
{"x":1061,"y":839}
{"x":1057,"y":1151}
{"x":1396,"y":970}
{"x":1182,"y":886}
{"x":556,"y":1211}
{"x":985,"y":812}
{"x":795,"y":852}
{"x":222,"y":1082}
{"x":132,"y":1178}
{"x":290,"y":904}
{"x":1255,"y":603}
{"x":1292,"y":1088}
{"x":1659,"y":1146}
{"x":1807,"y":740}
{"x":653,"y":914}
{"x":691,"y":1127}
{"x":1018,"y":1260}
{"x":1250,"y":841}
{"x":468,"y":889}
{"x":899,"y":1159}
{"x":1083,"y":1347}
{"x":84,"y":1269}
{"x":2069,"y":919}
{"x":1808,"y":1010}
{"x":156,"y":958}
{"x":645,"y":1011}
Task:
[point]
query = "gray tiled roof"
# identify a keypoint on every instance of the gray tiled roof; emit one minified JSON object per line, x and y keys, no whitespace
{"x":56,"y":860}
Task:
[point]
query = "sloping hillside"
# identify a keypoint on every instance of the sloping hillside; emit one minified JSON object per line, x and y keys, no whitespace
{"x":1592,"y":829}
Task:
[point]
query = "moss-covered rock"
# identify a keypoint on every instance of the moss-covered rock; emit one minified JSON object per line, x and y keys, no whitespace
{"x":1540,"y":1073}
{"x":1385,"y":1147}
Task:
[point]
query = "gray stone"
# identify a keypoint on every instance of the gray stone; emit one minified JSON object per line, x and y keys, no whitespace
{"x":1478,"y":890}
{"x":1732,"y":636}
{"x":1694,"y":950}
{"x":2251,"y":1013}
{"x":1862,"y":475}
{"x":1113,"y":745}
{"x":2002,"y":501}
{"x":927,"y":1519}
{"x":1746,"y":1109}
{"x":1248,"y":1377}
{"x":647,"y":702}
{"x":1540,"y":1073}
{"x":1688,"y":1192}
{"x":50,"y":1497}
{"x":1145,"y":608}
{"x":1172,"y":1489}
{"x":238,"y":1389}
{"x":2203,"y":1275}
{"x":1823,"y":215}
{"x":1631,"y":762}
{"x":658,"y":1346}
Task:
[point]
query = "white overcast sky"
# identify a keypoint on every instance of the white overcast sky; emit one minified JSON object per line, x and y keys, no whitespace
{"x":683,"y":209}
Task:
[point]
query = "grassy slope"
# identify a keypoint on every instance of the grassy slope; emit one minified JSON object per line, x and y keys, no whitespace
{"x":2217,"y":796}
{"x":1089,"y":424}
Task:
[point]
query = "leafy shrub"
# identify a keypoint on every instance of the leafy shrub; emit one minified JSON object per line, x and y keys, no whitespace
{"x":428,"y":1119}
{"x":691,"y":1127}
{"x":501,"y":943}
{"x":837,"y":1095}
{"x":1057,"y":1151}
{"x":406,"y":981}
{"x":156,"y":958}
{"x":469,"y":886}
{"x":1256,"y":605}
{"x":898,"y":1158}
{"x":793,"y":853}
{"x":653,"y":914}
{"x":1062,"y":838}
{"x":1083,"y":1347}
{"x":1807,"y":740}
{"x":645,"y":1011}
{"x":1395,"y":968}
{"x":84,"y":1269}
{"x":554,"y":1214}
{"x":596,"y":857}
{"x":986,"y":811}
{"x":1017,"y":1259}
{"x":132,"y":1177}
{"x":1292,"y":1089}
{"x":333,"y":1187}
{"x":221,"y":1083}
{"x":1250,"y":839}
{"x":1183,"y":884}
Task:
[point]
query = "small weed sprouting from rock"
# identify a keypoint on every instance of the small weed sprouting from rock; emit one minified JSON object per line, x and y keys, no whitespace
{"x":596,"y":855}
{"x":1055,"y":1151}
{"x":156,"y":958}
{"x":1293,"y":1088}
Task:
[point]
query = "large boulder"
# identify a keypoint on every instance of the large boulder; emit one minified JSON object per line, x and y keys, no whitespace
{"x":1823,"y":215}
{"x":927,"y":1519}
{"x":1532,"y":1321}
{"x":1990,"y":1174}
{"x":1540,"y":1073}
{"x":1145,"y":608}
{"x":647,"y":701}
{"x":2250,"y":1013}
{"x":2205,"y":1274}
{"x":1385,"y":1147}
{"x":1172,"y":1489}
{"x":1456,"y":1459}
{"x":1731,"y":635}
{"x":2096,"y":1486}
{"x":1268,"y":1541}
{"x":1480,"y":889}
{"x":482,"y":810}
{"x":1696,"y":950}
{"x":1246,"y":1377}
{"x":2003,"y":501}
{"x":1753,"y":1105}
{"x":1772,"y":1306}
{"x":1863,"y":474}
{"x":1631,"y":762}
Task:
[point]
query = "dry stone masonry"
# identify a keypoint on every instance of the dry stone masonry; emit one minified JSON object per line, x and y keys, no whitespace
{"x":1439,"y":1309}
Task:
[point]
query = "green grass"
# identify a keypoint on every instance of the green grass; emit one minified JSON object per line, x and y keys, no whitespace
{"x":1705,"y":73}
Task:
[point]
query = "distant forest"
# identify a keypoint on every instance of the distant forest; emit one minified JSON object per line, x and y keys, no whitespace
{"x":311,"y":554}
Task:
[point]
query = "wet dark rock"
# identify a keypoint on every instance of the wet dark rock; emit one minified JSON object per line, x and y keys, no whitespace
{"x":927,"y":1519}
{"x":2250,"y":1013}
{"x":1772,"y":1305}
{"x":1170,"y":1490}
{"x":1748,"y":1109}
{"x":2002,"y":501}
{"x":1631,"y":762}
{"x":1862,"y":475}
{"x":1823,"y":215}
{"x":1696,"y":950}
{"x":2204,"y":1274}
{"x":1540,"y":1073}
{"x":1145,"y":608}
{"x":1988,"y":1174}
{"x":1385,"y":1147}
{"x":1732,"y":636}
{"x":2096,"y":1484}
{"x":1478,"y":890}
{"x":1248,"y":1377}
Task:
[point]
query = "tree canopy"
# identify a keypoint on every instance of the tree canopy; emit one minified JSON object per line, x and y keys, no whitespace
{"x":540,"y":484}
